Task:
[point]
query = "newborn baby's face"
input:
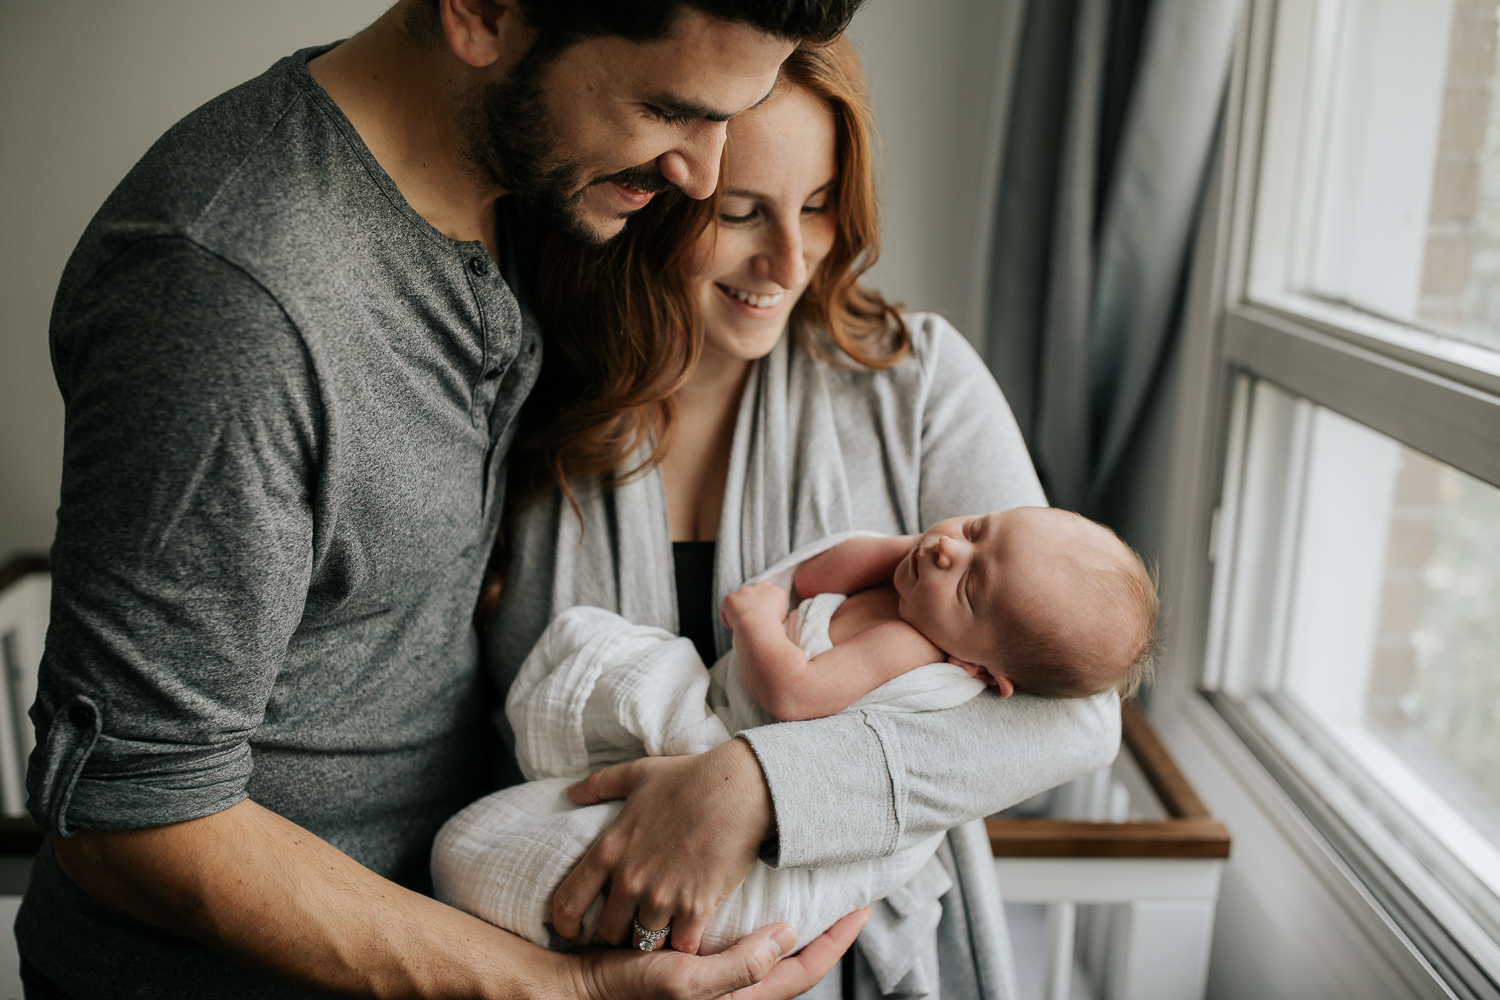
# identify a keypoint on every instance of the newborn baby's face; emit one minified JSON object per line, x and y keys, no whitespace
{"x":951,"y":578}
{"x":962,"y":570}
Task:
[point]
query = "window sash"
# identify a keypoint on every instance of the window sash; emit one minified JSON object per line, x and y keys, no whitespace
{"x":1451,"y":916}
{"x":1436,"y":395}
{"x":1424,"y":401}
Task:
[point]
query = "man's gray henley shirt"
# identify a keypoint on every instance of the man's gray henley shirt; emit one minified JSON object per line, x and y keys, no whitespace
{"x":288,"y":404}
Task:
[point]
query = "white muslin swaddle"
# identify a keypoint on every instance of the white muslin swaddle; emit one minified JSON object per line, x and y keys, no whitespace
{"x":597,"y":690}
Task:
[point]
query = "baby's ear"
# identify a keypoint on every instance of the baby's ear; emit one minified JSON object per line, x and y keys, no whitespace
{"x":1002,"y":685}
{"x":971,"y":668}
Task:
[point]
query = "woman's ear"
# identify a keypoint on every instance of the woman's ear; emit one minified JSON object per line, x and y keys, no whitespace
{"x":485,"y":32}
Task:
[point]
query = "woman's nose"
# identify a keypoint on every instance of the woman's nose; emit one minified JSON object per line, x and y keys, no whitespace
{"x":782,"y":260}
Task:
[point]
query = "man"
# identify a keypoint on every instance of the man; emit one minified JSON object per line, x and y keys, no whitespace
{"x":291,"y":358}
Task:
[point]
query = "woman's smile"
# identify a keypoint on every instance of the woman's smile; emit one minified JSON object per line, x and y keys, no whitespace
{"x":759,"y":304}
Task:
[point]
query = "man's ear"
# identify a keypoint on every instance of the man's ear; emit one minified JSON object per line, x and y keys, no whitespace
{"x":484,"y":32}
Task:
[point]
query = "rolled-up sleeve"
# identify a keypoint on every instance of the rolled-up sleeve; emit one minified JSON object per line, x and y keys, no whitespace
{"x":184,"y":544}
{"x":862,"y":785}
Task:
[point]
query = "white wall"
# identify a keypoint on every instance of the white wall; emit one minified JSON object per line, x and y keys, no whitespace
{"x":86,"y":87}
{"x":934,"y":74}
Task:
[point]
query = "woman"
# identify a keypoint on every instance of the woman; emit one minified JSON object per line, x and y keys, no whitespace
{"x":751,"y":397}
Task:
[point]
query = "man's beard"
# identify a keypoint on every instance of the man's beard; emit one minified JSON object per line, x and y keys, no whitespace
{"x":513,"y":144}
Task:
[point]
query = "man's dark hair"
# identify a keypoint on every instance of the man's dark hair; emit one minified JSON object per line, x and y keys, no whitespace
{"x":560,"y":23}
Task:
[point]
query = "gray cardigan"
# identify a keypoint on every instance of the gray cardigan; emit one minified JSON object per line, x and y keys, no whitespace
{"x":823,"y":447}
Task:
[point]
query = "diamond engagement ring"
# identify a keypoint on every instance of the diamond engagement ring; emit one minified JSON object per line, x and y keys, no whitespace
{"x":649,"y":940}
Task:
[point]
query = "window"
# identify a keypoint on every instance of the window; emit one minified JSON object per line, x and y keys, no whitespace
{"x":1354,"y":632}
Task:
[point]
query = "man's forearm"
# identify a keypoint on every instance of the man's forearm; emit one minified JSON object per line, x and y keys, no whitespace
{"x":257,"y":887}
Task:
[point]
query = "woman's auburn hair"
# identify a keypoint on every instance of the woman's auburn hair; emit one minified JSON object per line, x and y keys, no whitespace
{"x":621,"y":321}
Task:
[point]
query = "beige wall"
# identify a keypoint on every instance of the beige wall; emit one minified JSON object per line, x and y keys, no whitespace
{"x":85,"y":88}
{"x":934,"y":73}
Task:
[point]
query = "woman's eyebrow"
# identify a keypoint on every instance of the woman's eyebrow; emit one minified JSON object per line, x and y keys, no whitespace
{"x":758,"y":196}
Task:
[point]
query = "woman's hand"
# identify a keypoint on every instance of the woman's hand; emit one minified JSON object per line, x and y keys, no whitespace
{"x":689,"y":833}
{"x":750,"y":968}
{"x":758,"y":600}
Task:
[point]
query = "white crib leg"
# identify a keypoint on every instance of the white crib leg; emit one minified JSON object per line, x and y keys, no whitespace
{"x":1061,"y":920}
{"x":1160,"y":950}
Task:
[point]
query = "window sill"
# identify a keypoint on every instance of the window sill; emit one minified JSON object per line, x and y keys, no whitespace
{"x":1324,"y":923}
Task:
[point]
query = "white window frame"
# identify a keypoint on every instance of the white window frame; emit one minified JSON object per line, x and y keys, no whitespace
{"x":1436,"y":395}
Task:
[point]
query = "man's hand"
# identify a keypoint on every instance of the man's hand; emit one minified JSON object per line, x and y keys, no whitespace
{"x":760,"y":601}
{"x":689,"y":833}
{"x":671,"y":975}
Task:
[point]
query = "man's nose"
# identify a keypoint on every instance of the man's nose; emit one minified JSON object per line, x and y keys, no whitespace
{"x":693,"y":166}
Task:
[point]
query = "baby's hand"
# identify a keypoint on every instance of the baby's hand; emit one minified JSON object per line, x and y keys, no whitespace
{"x":759,"y":600}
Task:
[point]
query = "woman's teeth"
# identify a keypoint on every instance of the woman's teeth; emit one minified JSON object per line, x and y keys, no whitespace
{"x":759,"y":301}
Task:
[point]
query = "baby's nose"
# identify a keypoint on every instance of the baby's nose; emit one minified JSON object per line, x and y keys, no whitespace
{"x":940,"y":553}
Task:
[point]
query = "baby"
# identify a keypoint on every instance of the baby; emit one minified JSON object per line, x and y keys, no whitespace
{"x":1034,"y":599}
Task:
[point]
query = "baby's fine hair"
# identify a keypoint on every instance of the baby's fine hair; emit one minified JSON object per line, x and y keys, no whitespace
{"x":1043,"y":656}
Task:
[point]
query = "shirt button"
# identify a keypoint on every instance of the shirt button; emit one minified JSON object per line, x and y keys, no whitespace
{"x":478,"y":266}
{"x":492,"y":374}
{"x":81,"y":716}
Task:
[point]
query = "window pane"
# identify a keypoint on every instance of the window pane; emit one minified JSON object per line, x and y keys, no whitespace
{"x":1406,"y":217}
{"x":1393,"y":641}
{"x":1435,"y":691}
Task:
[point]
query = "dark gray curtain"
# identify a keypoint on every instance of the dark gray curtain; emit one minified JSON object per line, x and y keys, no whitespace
{"x":1113,"y":108}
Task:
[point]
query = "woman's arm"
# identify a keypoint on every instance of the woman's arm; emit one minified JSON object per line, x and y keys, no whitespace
{"x":901,"y":777}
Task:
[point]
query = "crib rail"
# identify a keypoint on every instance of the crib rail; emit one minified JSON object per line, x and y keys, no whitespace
{"x":24,"y":588}
{"x":1188,"y":832}
{"x":1127,"y":871}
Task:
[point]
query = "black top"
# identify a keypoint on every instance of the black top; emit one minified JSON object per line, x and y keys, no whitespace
{"x":693,"y":566}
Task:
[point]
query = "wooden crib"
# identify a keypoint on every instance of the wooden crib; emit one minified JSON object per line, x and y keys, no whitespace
{"x":1126,"y":865}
